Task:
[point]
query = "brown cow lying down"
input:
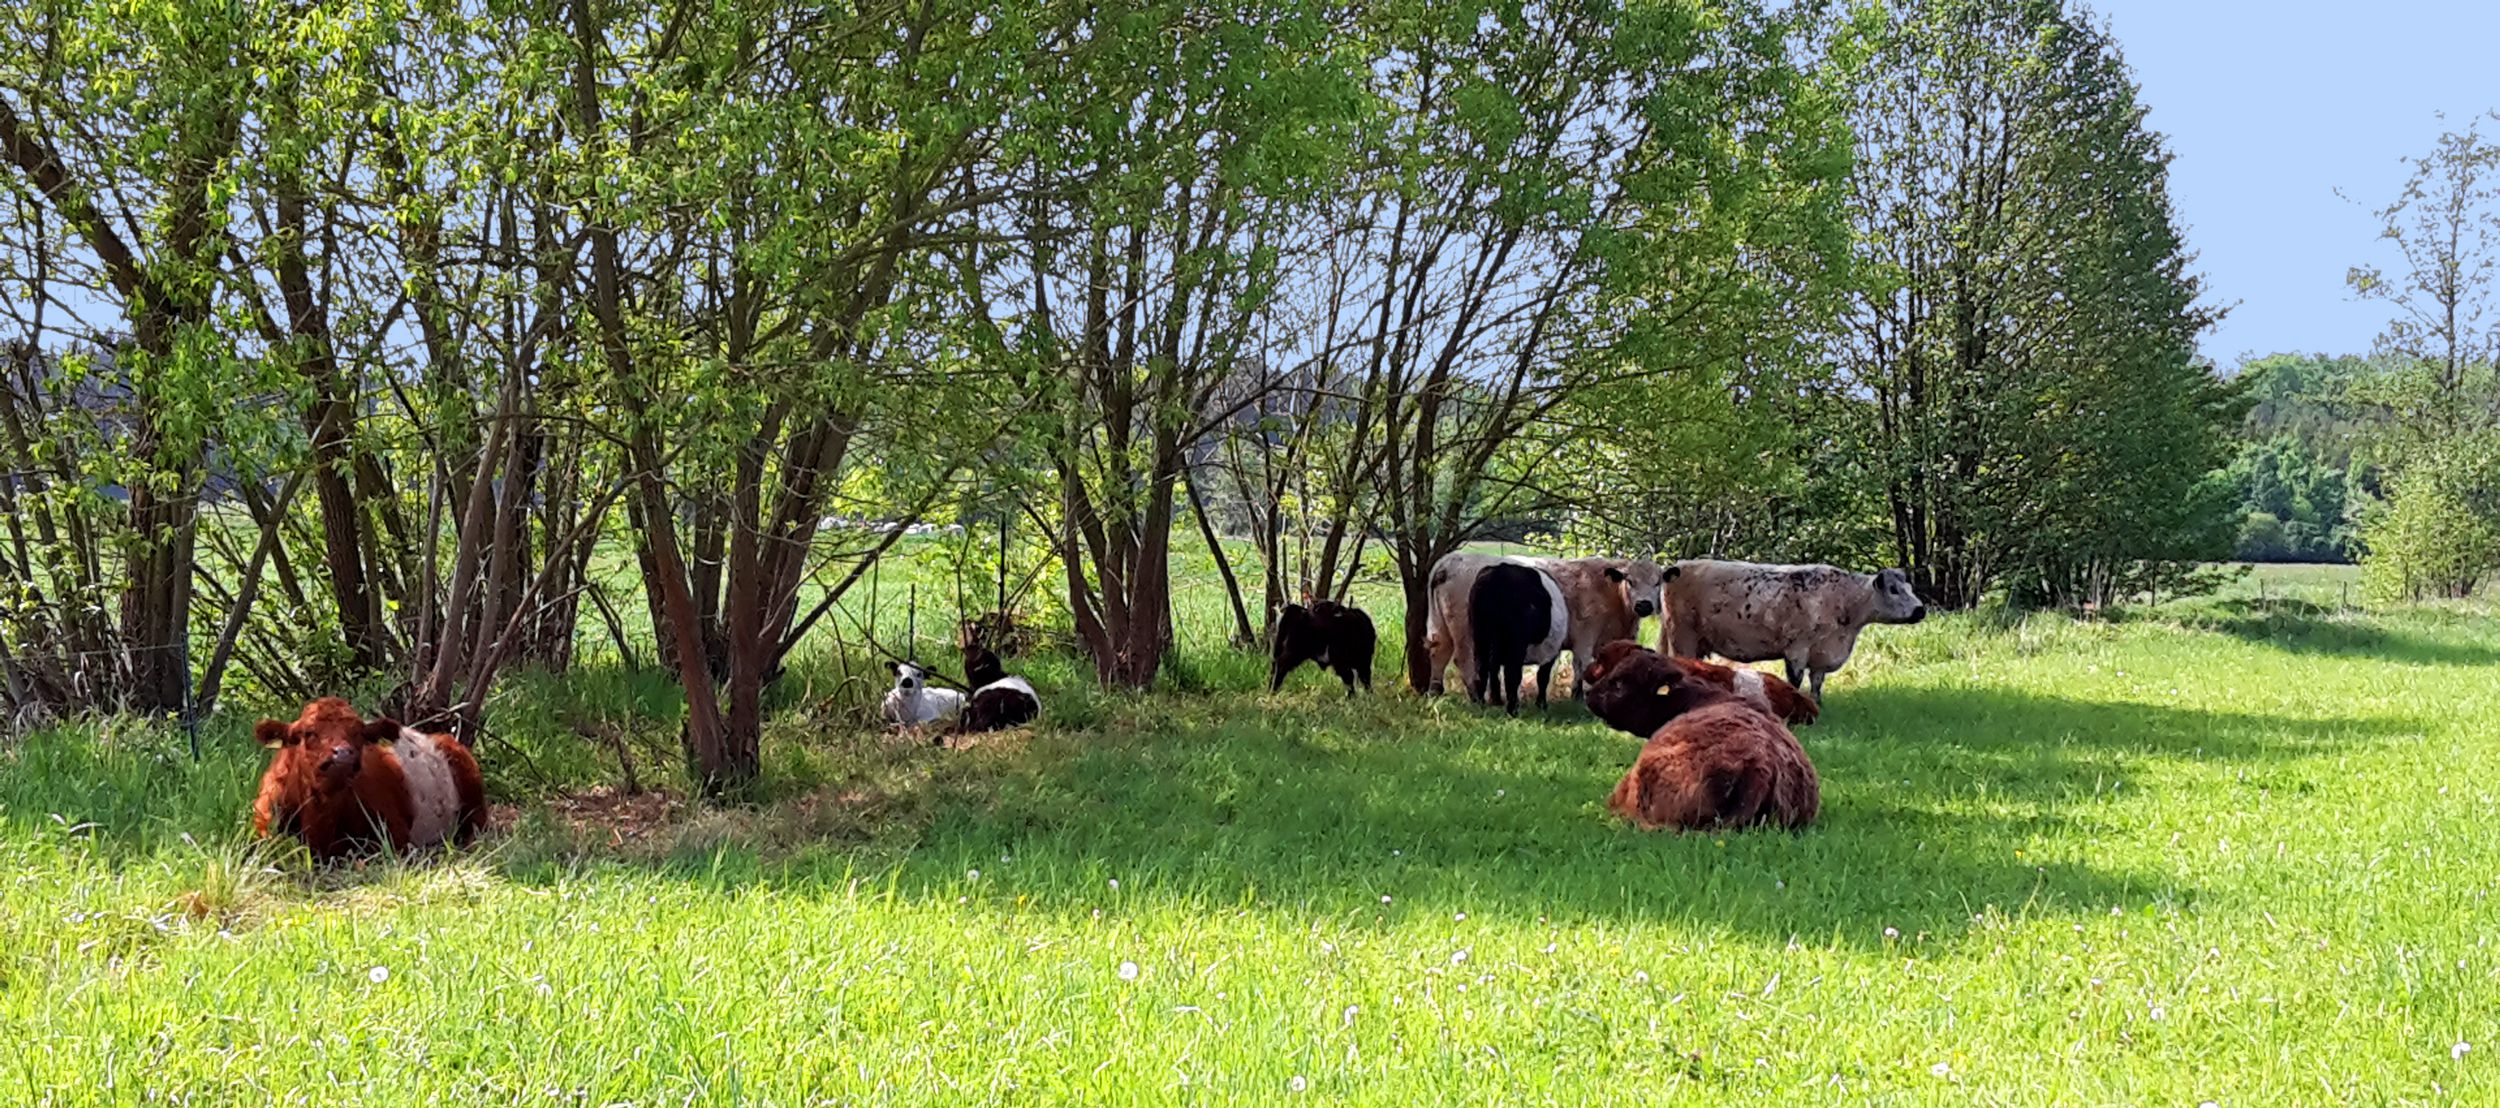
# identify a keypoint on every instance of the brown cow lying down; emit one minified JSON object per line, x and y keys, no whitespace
{"x":346,"y":786}
{"x":1722,"y":764}
{"x":1626,"y":677}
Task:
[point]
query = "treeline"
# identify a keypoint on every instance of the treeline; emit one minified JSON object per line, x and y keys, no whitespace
{"x":350,"y":337}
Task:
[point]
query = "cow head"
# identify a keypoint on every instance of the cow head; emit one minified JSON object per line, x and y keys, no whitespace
{"x":327,"y":743}
{"x":981,"y":667}
{"x":1895,"y":600}
{"x":1644,"y":585}
{"x":1612,"y":655}
{"x":909,"y":679}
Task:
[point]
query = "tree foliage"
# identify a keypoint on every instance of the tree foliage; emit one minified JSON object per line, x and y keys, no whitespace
{"x":2022,"y":382}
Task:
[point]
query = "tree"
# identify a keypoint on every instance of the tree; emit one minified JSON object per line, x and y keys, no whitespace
{"x":2034,"y":410}
{"x":1183,"y":147}
{"x":2446,"y":226}
{"x":1556,"y":198}
{"x":2439,"y":403}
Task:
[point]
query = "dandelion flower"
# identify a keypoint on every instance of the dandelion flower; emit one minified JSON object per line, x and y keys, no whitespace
{"x":1459,"y":918}
{"x":1297,"y":1084}
{"x":1128,"y":971}
{"x":1384,"y":898}
{"x":378,"y":974}
{"x":2156,"y":1012}
{"x":2458,"y":1051}
{"x":1892,"y":932}
{"x":1941,"y":1069}
{"x":972,"y":875}
{"x":1115,"y":884}
{"x":1458,"y":957}
{"x":1351,"y":1011}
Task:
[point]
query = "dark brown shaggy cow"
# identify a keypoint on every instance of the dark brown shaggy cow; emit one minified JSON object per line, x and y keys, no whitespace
{"x":1626,"y":676}
{"x":346,"y":786}
{"x":1334,"y":636}
{"x":1722,"y":764}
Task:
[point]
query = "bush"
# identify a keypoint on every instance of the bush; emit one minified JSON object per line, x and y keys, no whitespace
{"x":2439,"y":533}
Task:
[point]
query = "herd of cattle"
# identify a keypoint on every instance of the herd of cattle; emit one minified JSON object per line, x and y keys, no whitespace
{"x":1718,"y":752}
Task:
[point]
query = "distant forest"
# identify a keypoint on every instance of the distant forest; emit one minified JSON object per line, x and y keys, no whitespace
{"x":2303,"y":476}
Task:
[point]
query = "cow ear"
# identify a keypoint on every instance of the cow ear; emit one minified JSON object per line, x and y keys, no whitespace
{"x":382,"y":732}
{"x":1672,"y":573}
{"x":273,"y":734}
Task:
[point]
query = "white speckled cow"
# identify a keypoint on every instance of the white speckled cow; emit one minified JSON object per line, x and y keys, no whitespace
{"x":1806,"y":616}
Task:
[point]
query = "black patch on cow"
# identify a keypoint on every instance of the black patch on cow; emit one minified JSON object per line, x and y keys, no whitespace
{"x":1508,"y":611}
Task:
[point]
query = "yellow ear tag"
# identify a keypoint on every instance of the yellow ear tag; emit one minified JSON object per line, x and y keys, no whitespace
{"x":1666,"y":690}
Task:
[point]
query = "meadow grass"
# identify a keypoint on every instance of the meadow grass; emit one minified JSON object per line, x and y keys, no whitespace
{"x":2215,"y":852}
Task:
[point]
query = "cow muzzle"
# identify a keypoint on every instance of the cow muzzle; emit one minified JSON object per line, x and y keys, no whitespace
{"x":1644,"y":609}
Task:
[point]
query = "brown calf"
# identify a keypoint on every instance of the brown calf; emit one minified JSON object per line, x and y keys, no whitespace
{"x":345,"y":786}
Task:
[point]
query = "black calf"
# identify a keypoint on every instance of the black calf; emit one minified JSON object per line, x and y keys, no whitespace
{"x":1330,"y":634}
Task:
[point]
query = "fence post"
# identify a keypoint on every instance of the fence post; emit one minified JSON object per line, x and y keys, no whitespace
{"x":190,"y":707}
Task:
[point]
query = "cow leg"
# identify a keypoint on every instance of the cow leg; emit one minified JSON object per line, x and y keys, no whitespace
{"x":1544,"y":681}
{"x":1798,"y":671}
{"x":1511,"y":672}
{"x":1346,"y":674}
{"x":1818,"y":684}
{"x":1442,"y":650}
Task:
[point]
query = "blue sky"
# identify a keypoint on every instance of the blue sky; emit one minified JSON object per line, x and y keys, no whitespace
{"x":2273,"y":107}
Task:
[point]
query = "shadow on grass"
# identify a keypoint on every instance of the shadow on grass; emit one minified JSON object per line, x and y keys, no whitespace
{"x":2302,"y":627}
{"x":1939,"y":804}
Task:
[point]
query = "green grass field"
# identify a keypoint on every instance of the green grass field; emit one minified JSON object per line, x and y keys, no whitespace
{"x":2231,"y":851}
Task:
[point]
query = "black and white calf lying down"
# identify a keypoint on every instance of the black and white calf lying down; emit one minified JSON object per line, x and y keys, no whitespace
{"x":997,"y":701}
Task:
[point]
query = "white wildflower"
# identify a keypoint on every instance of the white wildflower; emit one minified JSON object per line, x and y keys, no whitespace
{"x":1297,"y":1084}
{"x":378,"y":974}
{"x":1128,"y":971}
{"x":2459,"y":1051}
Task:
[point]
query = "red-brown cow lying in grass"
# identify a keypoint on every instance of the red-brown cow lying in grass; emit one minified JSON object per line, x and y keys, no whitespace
{"x":345,"y":786}
{"x":1625,"y":678}
{"x":1723,"y":764}
{"x":1715,"y":757}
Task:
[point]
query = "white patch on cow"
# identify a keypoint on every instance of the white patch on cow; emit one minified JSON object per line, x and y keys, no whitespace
{"x":1017,"y":683}
{"x":1558,"y":626}
{"x":1749,"y":688}
{"x":433,"y":796}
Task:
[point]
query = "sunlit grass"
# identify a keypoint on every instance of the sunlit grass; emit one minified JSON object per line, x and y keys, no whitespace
{"x":2207,"y":853}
